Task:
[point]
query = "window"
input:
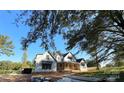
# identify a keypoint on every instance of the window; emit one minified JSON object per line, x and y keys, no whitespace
{"x":58,"y":58}
{"x":70,"y":57}
{"x":82,"y":64}
{"x":47,"y":57}
{"x":46,"y":66}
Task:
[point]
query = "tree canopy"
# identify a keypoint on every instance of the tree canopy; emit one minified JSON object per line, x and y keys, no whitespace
{"x":99,"y":33}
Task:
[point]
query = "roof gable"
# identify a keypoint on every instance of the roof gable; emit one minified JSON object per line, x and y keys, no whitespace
{"x":65,"y":54}
{"x":69,"y":53}
{"x":51,"y":56}
{"x":79,"y":60}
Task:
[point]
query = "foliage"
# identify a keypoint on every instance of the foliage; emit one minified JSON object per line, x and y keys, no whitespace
{"x":109,"y":65}
{"x":104,"y":72}
{"x":24,"y":60}
{"x":31,"y":65}
{"x":27,"y":64}
{"x":9,"y":71}
{"x":5,"y":46}
{"x":99,"y":33}
{"x":8,"y":65}
{"x":90,"y":63}
{"x":119,"y":63}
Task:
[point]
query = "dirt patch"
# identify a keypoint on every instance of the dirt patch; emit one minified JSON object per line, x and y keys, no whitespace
{"x":54,"y":76}
{"x":27,"y":77}
{"x":15,"y":78}
{"x":51,"y":74}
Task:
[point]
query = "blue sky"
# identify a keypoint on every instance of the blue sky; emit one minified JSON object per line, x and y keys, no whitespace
{"x":7,"y":27}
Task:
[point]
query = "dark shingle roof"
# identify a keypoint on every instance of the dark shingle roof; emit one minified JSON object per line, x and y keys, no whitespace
{"x":79,"y":60}
{"x":52,"y":56}
{"x":65,"y":54}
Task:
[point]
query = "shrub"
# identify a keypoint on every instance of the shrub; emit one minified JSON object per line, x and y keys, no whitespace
{"x":8,"y":65}
{"x":9,"y":71}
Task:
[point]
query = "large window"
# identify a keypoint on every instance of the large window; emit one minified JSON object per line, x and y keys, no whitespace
{"x":82,"y":64}
{"x":46,"y":66}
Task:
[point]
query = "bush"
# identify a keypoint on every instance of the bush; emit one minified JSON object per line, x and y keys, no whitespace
{"x":91,"y":64}
{"x":27,"y":64}
{"x":119,"y":64}
{"x":109,"y":65}
{"x":8,"y":65}
{"x":9,"y":71}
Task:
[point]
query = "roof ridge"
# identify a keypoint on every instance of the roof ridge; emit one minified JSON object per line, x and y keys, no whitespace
{"x":52,"y":56}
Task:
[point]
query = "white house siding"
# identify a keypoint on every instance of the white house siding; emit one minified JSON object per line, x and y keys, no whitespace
{"x":38,"y":63}
{"x":66,"y":59}
{"x":44,"y":58}
{"x":59,"y":58}
{"x":83,"y":67}
{"x":54,"y":67}
{"x":40,"y":58}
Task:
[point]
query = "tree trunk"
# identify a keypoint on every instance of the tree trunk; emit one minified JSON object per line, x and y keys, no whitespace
{"x":97,"y":63}
{"x":96,"y":59}
{"x":24,"y":59}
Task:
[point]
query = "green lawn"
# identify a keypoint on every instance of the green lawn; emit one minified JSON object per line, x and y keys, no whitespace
{"x":9,"y":71}
{"x":103,"y":72}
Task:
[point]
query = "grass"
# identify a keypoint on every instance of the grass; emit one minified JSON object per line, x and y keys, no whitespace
{"x":9,"y":71}
{"x":103,"y":72}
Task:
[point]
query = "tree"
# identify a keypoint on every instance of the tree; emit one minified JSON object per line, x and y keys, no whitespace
{"x":91,"y":63}
{"x":96,"y":32}
{"x":6,"y":46}
{"x":24,"y":59}
{"x":8,"y":65}
{"x":119,"y":63}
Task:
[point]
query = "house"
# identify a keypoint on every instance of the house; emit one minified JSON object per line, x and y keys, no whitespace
{"x":83,"y":64}
{"x":58,"y":62}
{"x":45,"y":62}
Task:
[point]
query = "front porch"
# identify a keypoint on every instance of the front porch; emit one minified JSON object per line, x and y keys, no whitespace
{"x":67,"y":66}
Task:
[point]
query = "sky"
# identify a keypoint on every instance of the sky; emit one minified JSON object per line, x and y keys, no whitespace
{"x":8,"y":28}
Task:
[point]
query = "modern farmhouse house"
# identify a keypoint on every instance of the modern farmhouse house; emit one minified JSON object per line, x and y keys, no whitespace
{"x":59,"y":62}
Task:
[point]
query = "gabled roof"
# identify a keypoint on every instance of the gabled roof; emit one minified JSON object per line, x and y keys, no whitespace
{"x":35,"y":58}
{"x":42,"y":54}
{"x":52,"y":56}
{"x":37,"y":55}
{"x":65,"y":54}
{"x":79,"y":60}
{"x":68,"y":53}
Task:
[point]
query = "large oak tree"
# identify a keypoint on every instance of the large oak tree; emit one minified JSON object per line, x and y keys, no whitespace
{"x":100,"y":33}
